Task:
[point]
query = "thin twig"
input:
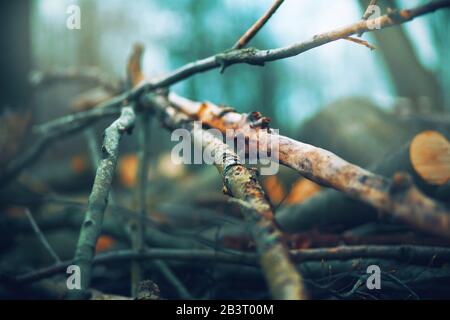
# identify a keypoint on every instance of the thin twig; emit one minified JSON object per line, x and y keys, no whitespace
{"x":369,"y":11}
{"x":138,"y":237}
{"x":397,"y":196}
{"x":283,"y":279}
{"x":361,"y":42}
{"x":249,"y":56}
{"x":67,"y":127}
{"x":248,"y":36}
{"x":41,"y":237}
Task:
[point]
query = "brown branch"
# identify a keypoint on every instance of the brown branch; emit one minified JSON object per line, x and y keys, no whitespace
{"x":60,"y":129}
{"x":137,"y":232}
{"x":248,"y":36}
{"x":397,"y":196}
{"x":91,"y":227}
{"x":281,"y":275}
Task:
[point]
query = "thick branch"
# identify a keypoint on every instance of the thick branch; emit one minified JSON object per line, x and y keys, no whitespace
{"x":62,"y":128}
{"x":369,"y":11}
{"x":249,"y":56}
{"x":89,"y":74}
{"x":398,"y":197}
{"x":138,"y":234}
{"x":283,"y":279}
{"x":91,"y":227}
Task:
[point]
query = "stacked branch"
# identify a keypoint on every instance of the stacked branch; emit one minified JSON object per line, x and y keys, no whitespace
{"x":397,"y":197}
{"x":426,"y":158}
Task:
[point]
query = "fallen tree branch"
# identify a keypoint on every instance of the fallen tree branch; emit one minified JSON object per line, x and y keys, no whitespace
{"x":411,"y":254}
{"x":91,"y":227}
{"x":249,"y":56}
{"x":423,"y":159}
{"x":260,"y":57}
{"x":397,"y":197}
{"x":281,"y":276}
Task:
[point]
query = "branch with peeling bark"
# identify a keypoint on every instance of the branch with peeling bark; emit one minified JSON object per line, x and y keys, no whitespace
{"x":397,"y":197}
{"x":91,"y":227}
{"x":282,"y":277}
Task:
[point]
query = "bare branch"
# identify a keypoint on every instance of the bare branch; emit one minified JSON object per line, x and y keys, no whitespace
{"x":241,"y":183}
{"x":249,"y":56}
{"x":260,"y":57}
{"x":248,"y":36}
{"x":41,"y":236}
{"x":91,"y":227}
{"x":419,"y":255}
{"x":398,"y":197}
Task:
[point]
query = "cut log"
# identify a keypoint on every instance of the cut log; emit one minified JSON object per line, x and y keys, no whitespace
{"x":430,"y":157}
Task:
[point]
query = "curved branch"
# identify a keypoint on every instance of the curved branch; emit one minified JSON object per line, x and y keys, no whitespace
{"x":91,"y":227}
{"x":397,"y":197}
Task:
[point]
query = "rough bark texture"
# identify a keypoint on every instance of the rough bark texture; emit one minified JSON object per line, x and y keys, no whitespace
{"x":92,"y":225}
{"x":335,"y":208}
{"x":241,"y":183}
